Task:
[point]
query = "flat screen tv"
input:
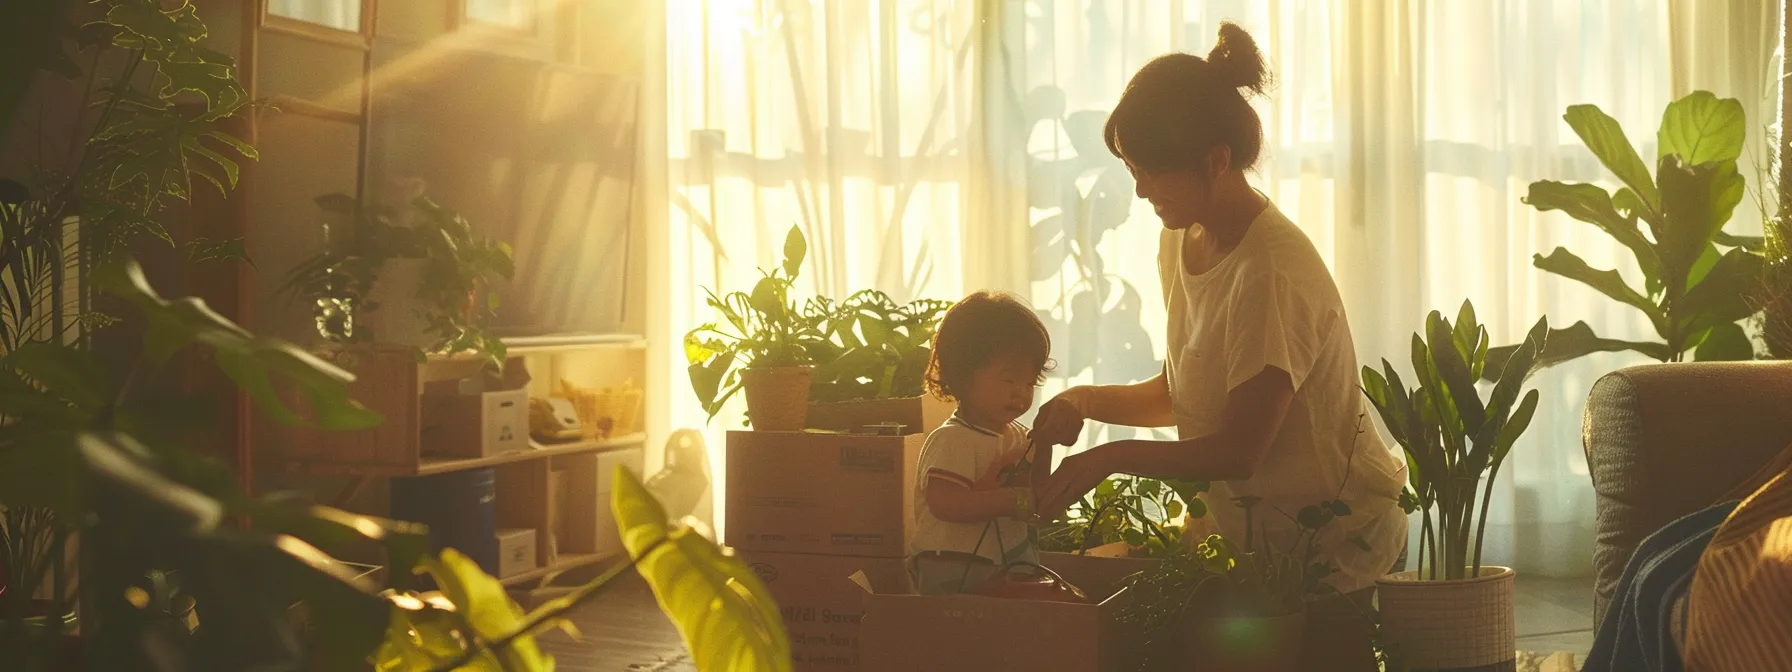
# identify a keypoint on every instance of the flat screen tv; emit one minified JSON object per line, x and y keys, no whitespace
{"x":536,"y":154}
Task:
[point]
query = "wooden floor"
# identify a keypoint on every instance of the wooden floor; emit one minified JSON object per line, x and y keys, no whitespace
{"x":621,"y":629}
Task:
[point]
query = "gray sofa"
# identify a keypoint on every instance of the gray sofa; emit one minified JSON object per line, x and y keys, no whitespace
{"x":1665,"y":440}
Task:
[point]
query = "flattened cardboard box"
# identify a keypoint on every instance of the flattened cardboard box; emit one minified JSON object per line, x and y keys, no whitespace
{"x":820,"y":603}
{"x":902,"y":631}
{"x":838,"y":494}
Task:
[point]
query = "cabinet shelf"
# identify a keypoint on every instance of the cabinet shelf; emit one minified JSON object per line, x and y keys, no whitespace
{"x":538,"y":450}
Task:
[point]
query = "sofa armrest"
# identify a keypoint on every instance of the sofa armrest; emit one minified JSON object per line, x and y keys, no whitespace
{"x":1666,"y":440}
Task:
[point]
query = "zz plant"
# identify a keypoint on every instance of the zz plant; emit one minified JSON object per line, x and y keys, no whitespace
{"x":1697,"y":280}
{"x":1454,"y":440}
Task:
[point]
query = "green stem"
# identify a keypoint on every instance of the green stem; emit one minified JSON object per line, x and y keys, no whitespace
{"x":1481,"y":532}
{"x":540,"y":621}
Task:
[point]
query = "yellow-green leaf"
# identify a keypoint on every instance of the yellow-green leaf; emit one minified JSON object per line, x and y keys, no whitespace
{"x":726,"y":616}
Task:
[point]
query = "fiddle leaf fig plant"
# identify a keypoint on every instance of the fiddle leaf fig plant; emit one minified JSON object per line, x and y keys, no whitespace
{"x":764,"y":328}
{"x":1694,"y":291}
{"x":1455,"y":440}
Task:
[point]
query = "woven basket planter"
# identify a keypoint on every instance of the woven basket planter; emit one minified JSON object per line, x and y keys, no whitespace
{"x":1450,"y":625}
{"x":777,"y":397}
{"x":1271,"y":644}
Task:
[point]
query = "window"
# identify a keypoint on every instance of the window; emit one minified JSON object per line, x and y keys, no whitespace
{"x":338,"y":14}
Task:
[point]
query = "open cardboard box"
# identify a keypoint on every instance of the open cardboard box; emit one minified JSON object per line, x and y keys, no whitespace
{"x":902,"y":631}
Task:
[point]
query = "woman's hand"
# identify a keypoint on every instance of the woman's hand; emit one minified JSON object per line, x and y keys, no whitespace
{"x":1059,"y":422}
{"x":1075,"y":476}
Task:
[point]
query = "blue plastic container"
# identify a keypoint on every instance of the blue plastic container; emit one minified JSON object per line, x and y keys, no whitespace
{"x":459,"y":509}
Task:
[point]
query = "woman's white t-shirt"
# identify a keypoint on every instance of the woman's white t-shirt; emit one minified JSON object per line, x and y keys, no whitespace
{"x":1271,"y":302}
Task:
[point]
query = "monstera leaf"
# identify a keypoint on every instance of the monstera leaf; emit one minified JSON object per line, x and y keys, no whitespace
{"x":724,"y":613}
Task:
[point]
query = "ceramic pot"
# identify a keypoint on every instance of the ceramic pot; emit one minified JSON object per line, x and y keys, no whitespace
{"x":777,"y":397}
{"x":1244,"y":643}
{"x":1450,"y":625}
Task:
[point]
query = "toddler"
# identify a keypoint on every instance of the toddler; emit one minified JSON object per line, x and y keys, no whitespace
{"x":974,"y":506}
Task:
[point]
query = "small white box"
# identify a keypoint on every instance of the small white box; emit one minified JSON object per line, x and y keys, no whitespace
{"x":516,"y":552}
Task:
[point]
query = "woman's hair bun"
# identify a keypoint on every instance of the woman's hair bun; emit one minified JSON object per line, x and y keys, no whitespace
{"x":1237,"y":61}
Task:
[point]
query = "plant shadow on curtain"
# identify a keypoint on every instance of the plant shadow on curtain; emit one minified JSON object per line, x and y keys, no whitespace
{"x":930,"y":147}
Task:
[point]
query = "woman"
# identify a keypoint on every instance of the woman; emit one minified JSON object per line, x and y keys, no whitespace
{"x":1260,"y":377}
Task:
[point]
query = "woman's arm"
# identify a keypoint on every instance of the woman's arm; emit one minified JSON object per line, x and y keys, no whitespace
{"x":1141,"y":404}
{"x":955,"y":503}
{"x":1248,"y":425}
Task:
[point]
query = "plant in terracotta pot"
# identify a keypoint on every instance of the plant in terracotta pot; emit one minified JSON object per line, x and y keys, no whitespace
{"x":762,"y":346}
{"x":1453,"y":612}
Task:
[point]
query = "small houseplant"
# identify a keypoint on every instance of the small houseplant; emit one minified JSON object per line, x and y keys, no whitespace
{"x":424,"y":264}
{"x":1221,"y":605}
{"x":871,"y":360}
{"x":1698,"y":280}
{"x":762,"y":345}
{"x":1127,"y":515}
{"x":1454,"y":441}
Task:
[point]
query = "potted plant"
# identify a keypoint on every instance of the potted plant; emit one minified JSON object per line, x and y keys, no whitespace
{"x":1451,"y":611}
{"x":1127,"y":516}
{"x":424,"y":257}
{"x":870,"y":363}
{"x":763,"y":345}
{"x":1222,"y":606}
{"x":1698,"y":282}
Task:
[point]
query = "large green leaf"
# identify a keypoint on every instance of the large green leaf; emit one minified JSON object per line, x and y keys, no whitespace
{"x":1608,"y":282}
{"x":406,"y":544}
{"x":251,"y":362}
{"x":1722,"y":297}
{"x":1454,"y":371}
{"x":1521,"y":420}
{"x":1606,"y":139}
{"x":1726,"y":342}
{"x":795,"y":249}
{"x":1593,"y":205}
{"x":485,"y":608}
{"x":1701,"y":129}
{"x":1574,"y":342}
{"x":1696,"y":203}
{"x":726,"y":616}
{"x":65,"y":371}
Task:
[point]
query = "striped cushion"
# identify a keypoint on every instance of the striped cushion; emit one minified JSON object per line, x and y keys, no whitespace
{"x":1739,"y":614}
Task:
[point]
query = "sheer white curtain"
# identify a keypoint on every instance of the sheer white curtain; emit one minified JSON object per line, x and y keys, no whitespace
{"x":933,"y":146}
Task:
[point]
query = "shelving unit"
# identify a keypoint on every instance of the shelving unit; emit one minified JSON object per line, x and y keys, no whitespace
{"x":560,"y":490}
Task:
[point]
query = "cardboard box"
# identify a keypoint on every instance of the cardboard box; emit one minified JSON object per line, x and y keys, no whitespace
{"x":476,"y":425}
{"x":902,"y":631}
{"x":917,"y":415}
{"x":820,"y":603}
{"x":838,"y":494}
{"x":516,"y":551}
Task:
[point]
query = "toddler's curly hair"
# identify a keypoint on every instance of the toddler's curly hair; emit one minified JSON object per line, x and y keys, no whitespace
{"x":974,"y":331}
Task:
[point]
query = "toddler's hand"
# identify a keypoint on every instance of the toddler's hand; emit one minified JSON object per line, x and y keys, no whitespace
{"x":994,"y":477}
{"x":1058,"y":423}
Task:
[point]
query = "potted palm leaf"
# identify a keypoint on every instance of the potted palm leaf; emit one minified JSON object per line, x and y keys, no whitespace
{"x":762,"y":346}
{"x":1452,"y":611}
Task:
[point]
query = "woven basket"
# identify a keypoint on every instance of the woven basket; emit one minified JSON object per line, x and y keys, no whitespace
{"x":606,"y":412}
{"x":1449,"y":625}
{"x":777,"y":397}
